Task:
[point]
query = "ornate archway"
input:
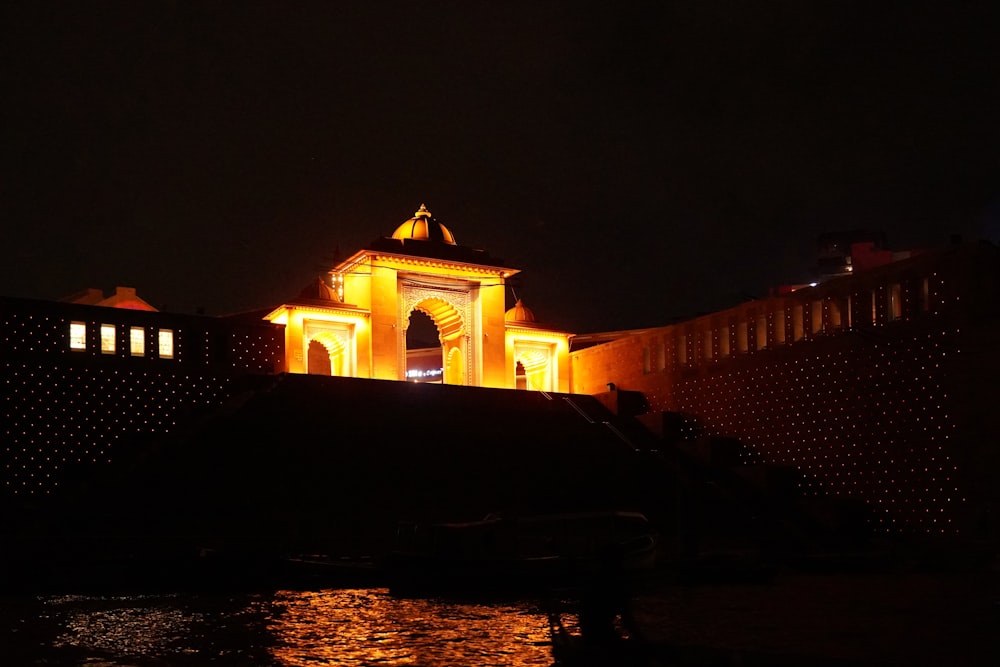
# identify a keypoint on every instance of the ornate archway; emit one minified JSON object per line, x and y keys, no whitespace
{"x":450,"y":307}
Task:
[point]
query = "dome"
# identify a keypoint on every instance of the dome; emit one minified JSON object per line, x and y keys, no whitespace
{"x":519,"y":313}
{"x":423,"y":227}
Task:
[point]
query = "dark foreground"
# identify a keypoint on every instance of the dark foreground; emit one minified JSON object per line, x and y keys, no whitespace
{"x":897,"y":618}
{"x":904,"y":617}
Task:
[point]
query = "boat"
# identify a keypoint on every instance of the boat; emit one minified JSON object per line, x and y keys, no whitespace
{"x":515,"y":556}
{"x":320,"y":571}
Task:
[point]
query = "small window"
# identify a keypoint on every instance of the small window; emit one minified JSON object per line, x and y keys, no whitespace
{"x":816,"y":310}
{"x":895,"y":301}
{"x":166,"y":340}
{"x":760,"y":337}
{"x":836,"y":318}
{"x":779,"y":327}
{"x":661,"y":356}
{"x":724,"y":341}
{"x":742,"y":344}
{"x":708,"y":353}
{"x":77,"y":336}
{"x":682,"y":349}
{"x":108,"y":338}
{"x":798,"y":328}
{"x":137,"y":341}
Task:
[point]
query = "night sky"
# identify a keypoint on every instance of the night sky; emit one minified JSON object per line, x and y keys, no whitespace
{"x":640,"y":162}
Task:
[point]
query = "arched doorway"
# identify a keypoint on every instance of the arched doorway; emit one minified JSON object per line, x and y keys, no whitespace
{"x":424,"y":360}
{"x":534,"y":366}
{"x":447,"y":312}
{"x":318,"y":362}
{"x":326,"y":352}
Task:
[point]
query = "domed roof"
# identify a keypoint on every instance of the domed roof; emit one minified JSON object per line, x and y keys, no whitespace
{"x":519,"y":313}
{"x":423,"y":227}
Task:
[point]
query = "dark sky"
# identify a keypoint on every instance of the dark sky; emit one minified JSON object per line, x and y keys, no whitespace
{"x":638,"y":161}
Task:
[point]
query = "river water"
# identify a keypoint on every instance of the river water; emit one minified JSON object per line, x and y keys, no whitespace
{"x":283,"y":628}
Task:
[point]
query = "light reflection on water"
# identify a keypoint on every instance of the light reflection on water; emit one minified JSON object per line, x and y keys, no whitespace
{"x":284,"y":629}
{"x":362,"y":628}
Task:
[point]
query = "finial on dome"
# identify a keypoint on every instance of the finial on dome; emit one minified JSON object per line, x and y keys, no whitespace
{"x":423,"y":227}
{"x":519,"y":313}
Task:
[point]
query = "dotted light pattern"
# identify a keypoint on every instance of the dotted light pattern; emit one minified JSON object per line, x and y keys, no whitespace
{"x":59,"y":419}
{"x":874,"y":387}
{"x":255,"y":351}
{"x":65,"y":409}
{"x":869,"y":421}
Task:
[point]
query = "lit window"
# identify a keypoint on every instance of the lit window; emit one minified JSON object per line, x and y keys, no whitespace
{"x":760,"y":340}
{"x":77,"y":336}
{"x":166,"y":340}
{"x":137,"y":341}
{"x":895,"y":302}
{"x":798,"y":320}
{"x":108,"y":338}
{"x":724,"y":341}
{"x":742,"y":344}
{"x":779,"y":327}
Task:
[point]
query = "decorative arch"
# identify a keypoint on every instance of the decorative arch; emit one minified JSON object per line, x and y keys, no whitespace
{"x":336,"y":341}
{"x":444,"y":315}
{"x":450,"y":307}
{"x":537,"y":361}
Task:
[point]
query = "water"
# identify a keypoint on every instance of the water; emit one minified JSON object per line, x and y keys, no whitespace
{"x":286,"y":628}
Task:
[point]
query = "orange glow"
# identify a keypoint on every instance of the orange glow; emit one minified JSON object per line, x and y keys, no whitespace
{"x":368,"y":627}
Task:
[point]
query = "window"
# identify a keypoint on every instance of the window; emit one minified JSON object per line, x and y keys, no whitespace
{"x":816,"y":310}
{"x":137,"y":341}
{"x":798,"y":328}
{"x":707,"y":352}
{"x":760,"y":338}
{"x":661,"y":356}
{"x":645,"y":360}
{"x":724,"y":341}
{"x":779,"y":327}
{"x":108,"y":338}
{"x":895,"y":301}
{"x":77,"y":336}
{"x":741,"y":337}
{"x":682,"y":349}
{"x":166,"y":340}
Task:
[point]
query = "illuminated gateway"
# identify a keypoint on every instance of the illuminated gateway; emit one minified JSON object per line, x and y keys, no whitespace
{"x":877,"y":384}
{"x":356,"y":324}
